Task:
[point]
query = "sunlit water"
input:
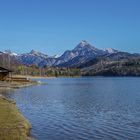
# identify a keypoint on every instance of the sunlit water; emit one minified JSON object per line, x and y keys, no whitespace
{"x":82,"y":108}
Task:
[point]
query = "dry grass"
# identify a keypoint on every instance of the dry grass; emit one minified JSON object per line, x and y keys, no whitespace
{"x":13,"y":126}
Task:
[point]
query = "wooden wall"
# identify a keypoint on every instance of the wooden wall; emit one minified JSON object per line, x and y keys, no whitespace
{"x":3,"y":75}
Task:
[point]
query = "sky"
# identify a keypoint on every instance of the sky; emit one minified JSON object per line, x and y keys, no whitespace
{"x":53,"y":26}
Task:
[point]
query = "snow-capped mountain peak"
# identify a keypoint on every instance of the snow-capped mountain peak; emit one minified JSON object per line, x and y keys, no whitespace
{"x":83,"y":49}
{"x":54,"y":56}
{"x":110,"y":50}
{"x":9,"y":52}
{"x":83,"y":52}
{"x":36,"y":53}
{"x":83,"y":43}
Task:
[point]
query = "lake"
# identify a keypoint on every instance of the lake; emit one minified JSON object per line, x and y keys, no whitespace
{"x":85,"y":108}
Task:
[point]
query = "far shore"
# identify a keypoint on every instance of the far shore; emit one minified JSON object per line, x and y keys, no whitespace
{"x":47,"y":77}
{"x":32,"y":77}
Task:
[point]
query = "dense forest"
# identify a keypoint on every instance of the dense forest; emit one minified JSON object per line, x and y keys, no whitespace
{"x":105,"y":67}
{"x":46,"y":71}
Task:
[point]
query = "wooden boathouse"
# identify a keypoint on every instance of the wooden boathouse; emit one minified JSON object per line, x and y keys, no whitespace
{"x":4,"y":73}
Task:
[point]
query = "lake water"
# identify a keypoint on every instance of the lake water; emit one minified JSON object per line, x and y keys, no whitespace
{"x":82,"y":108}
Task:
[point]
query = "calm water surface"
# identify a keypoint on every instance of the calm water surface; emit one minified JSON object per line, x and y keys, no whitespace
{"x":82,"y":108}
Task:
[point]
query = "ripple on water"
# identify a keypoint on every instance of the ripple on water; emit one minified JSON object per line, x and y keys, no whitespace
{"x":82,"y":108}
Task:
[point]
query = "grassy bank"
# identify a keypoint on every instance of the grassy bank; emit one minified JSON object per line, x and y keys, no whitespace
{"x":13,"y":126}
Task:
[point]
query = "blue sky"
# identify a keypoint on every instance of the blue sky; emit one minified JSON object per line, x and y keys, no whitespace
{"x":53,"y":26}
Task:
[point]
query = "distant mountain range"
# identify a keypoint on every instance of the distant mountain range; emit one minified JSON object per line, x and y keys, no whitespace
{"x":81,"y":53}
{"x":91,"y":60}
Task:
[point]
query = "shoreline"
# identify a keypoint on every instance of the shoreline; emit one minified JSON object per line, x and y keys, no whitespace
{"x":13,"y":125}
{"x":47,"y":77}
{"x":32,"y":77}
{"x":95,"y":76}
{"x":16,"y":84}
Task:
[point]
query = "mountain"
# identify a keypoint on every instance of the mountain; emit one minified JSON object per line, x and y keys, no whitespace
{"x":34,"y":58}
{"x":81,"y":56}
{"x":81,"y":53}
{"x":10,"y":53}
{"x":110,"y":50}
{"x":39,"y":54}
{"x":8,"y":60}
{"x":116,"y":64}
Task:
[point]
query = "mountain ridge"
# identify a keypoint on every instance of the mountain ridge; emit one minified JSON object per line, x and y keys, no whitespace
{"x":82,"y":53}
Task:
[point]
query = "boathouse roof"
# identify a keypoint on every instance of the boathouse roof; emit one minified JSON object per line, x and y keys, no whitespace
{"x":4,"y":70}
